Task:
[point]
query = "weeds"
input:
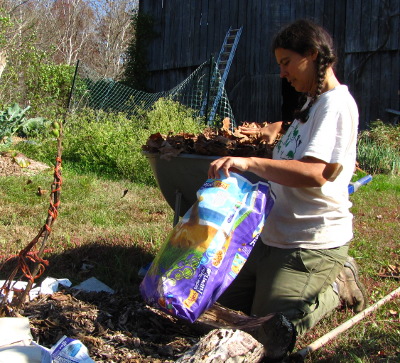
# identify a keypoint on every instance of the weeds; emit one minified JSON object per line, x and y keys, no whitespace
{"x":379,"y":149}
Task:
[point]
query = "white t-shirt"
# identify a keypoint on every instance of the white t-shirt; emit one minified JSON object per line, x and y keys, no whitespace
{"x":317,"y":217}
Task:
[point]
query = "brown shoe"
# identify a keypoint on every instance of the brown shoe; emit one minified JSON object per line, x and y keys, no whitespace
{"x":351,"y":290}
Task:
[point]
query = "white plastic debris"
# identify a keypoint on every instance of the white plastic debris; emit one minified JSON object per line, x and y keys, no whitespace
{"x":95,"y":285}
{"x":15,"y":286}
{"x":15,"y":330}
{"x":22,"y":354}
{"x":17,"y":346}
{"x":68,"y":350}
{"x":49,"y":286}
{"x":16,"y":343}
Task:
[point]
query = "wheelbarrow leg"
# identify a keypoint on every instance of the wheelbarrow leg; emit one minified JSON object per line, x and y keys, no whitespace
{"x":177,"y":210}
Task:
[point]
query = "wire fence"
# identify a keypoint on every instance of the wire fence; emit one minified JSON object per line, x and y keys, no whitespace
{"x":198,"y":92}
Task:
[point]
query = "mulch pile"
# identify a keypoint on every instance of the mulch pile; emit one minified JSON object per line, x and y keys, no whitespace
{"x":114,"y":327}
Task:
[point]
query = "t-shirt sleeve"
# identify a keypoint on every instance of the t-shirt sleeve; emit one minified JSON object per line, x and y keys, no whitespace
{"x":330,"y":117}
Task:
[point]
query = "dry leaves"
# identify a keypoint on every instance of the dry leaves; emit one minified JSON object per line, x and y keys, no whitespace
{"x":215,"y":142}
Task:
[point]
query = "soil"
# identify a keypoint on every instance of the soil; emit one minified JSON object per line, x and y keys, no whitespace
{"x":9,"y":165}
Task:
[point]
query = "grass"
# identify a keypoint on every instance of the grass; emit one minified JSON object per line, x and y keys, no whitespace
{"x":376,"y":246}
{"x":118,"y":234}
{"x":96,"y":223}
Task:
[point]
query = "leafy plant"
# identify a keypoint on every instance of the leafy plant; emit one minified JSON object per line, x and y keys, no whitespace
{"x":136,"y":73}
{"x":36,"y":79}
{"x":13,"y":120}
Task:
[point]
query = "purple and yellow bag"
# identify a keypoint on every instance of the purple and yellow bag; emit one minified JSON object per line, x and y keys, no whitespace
{"x":208,"y":247}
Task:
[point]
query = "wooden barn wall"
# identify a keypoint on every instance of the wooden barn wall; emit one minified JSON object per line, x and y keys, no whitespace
{"x":365,"y":32}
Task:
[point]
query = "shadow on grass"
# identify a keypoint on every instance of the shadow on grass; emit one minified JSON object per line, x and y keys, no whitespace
{"x":116,"y":265}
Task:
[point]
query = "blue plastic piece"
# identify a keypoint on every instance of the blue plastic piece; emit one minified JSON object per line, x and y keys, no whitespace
{"x":353,"y":187}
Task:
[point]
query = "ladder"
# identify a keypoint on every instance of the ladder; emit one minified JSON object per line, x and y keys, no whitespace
{"x":223,"y":65}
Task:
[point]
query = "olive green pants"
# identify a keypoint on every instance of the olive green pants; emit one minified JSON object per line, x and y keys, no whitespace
{"x":296,"y":282}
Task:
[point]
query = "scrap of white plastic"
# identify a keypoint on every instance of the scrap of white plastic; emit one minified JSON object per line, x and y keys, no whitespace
{"x":68,"y":350}
{"x":50,"y":285}
{"x":13,"y":330}
{"x":16,"y":343}
{"x":92,"y":284}
{"x":22,"y":354}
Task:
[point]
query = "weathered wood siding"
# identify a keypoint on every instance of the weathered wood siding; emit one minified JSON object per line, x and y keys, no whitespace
{"x":366,"y":35}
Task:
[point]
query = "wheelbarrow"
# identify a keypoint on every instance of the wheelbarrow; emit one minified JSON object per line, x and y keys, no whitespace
{"x":180,"y":177}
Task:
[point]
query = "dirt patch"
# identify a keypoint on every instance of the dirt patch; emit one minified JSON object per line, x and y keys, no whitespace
{"x":9,"y":165}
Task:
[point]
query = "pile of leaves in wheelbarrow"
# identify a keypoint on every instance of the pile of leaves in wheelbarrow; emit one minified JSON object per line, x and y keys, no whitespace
{"x":213,"y":142}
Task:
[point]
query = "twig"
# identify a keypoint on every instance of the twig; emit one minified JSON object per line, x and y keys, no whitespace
{"x":346,"y":325}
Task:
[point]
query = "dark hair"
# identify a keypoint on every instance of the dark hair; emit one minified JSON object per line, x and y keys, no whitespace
{"x":306,"y":37}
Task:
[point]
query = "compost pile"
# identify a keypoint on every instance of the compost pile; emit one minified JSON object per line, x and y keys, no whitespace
{"x":213,"y":142}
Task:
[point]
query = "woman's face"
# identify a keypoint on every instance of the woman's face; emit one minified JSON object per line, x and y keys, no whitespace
{"x":299,"y":70}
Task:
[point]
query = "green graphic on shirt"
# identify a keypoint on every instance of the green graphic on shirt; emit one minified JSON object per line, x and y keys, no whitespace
{"x":288,"y":146}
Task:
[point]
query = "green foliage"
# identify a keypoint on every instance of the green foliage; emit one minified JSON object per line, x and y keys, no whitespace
{"x":47,"y":84}
{"x":379,"y":148}
{"x":5,"y":24}
{"x":136,"y":73}
{"x":35,"y":80}
{"x":170,"y":116}
{"x":383,"y":134}
{"x":110,"y":144}
{"x":106,"y":143}
{"x":13,"y":119}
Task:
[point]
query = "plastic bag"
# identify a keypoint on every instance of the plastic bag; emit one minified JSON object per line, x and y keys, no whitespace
{"x":208,"y":247}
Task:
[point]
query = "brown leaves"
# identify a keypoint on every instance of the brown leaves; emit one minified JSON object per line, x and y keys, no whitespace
{"x":221,"y":142}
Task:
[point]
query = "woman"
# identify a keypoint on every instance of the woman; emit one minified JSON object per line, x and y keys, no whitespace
{"x":300,"y":266}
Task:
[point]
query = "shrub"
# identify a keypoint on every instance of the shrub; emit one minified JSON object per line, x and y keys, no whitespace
{"x":379,"y":148}
{"x":110,"y":144}
{"x":170,"y":116}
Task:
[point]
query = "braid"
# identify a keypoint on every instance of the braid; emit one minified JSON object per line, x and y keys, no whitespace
{"x":322,"y":62}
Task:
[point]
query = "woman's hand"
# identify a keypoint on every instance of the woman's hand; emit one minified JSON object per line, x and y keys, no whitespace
{"x":227,"y":164}
{"x":268,"y":133}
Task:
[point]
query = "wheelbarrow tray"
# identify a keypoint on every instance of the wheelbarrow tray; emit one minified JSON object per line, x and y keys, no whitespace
{"x":180,"y":177}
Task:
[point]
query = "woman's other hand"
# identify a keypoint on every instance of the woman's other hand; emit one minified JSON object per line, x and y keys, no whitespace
{"x":268,"y":133}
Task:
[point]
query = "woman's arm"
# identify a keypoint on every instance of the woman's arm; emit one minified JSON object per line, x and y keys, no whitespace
{"x":307,"y":172}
